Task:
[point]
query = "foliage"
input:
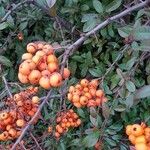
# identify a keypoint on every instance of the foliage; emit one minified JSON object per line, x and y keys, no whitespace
{"x":118,"y":55}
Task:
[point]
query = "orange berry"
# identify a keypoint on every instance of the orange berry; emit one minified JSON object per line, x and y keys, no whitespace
{"x":69,"y":96}
{"x":31,"y":48}
{"x":26,"y":56}
{"x":98,"y":101}
{"x":36,"y":59}
{"x":88,"y":95}
{"x":63,"y":125}
{"x":71,"y":89}
{"x":104,"y":99}
{"x":20,"y":103}
{"x":31,"y":64}
{"x":141,"y":146}
{"x":66,"y":73}
{"x":31,"y":113}
{"x":78,"y":122}
{"x":8,"y":120}
{"x":42,"y":66}
{"x":55,"y":79}
{"x":45,"y":73}
{"x":40,"y":53}
{"x":23,"y":78}
{"x":75,"y":98}
{"x":48,"y":49}
{"x":34,"y":76}
{"x":4,"y":136}
{"x":50,"y":128}
{"x":92,"y":92}
{"x":132,"y":138}
{"x":40,"y":45}
{"x":8,"y":127}
{"x":79,"y":87}
{"x":128,"y":130}
{"x":137,"y":130}
{"x":24,"y":68}
{"x":94,"y":83}
{"x":20,"y":122}
{"x":91,"y":103}
{"x":52,"y":67}
{"x":140,"y":139}
{"x":84,"y":82}
{"x":85,"y":89}
{"x":57,"y":135}
{"x":58,"y":120}
{"x":99,"y":93}
{"x":52,"y":58}
{"x":83,"y":100}
{"x":68,"y":124}
{"x":78,"y":105}
{"x":4,"y":116}
{"x":60,"y":130}
{"x":12,"y":132}
{"x":35,"y":100}
{"x":44,"y":82}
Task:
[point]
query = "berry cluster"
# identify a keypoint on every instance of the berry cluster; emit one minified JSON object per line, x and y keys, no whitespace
{"x":41,"y":66}
{"x":139,"y":135}
{"x":22,"y":107}
{"x":86,"y":93}
{"x":64,"y":121}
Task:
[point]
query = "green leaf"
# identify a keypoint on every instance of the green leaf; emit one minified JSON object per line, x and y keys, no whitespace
{"x":143,"y":92}
{"x":130,"y":86}
{"x":130,"y":63}
{"x":125,"y":31}
{"x":5,"y":61}
{"x":129,"y":101}
{"x":3,"y":25}
{"x":113,"y":5}
{"x":142,"y":33}
{"x":91,"y":140}
{"x":98,"y":6}
{"x":120,"y":108}
{"x":81,"y":113}
{"x":89,"y":25}
{"x":95,"y":72}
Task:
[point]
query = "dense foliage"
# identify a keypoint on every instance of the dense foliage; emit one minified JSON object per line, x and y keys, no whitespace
{"x":118,"y":55}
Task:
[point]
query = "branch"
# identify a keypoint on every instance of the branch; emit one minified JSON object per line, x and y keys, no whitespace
{"x":12,"y":9}
{"x":75,"y":45}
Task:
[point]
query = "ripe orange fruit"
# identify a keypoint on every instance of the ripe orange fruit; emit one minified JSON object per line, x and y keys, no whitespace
{"x":34,"y":76}
{"x":78,"y":122}
{"x":50,"y":128}
{"x":52,"y":58}
{"x":75,"y":98}
{"x":132,"y":138}
{"x":69,"y":96}
{"x":78,"y":105}
{"x":52,"y":67}
{"x":8,"y":127}
{"x":137,"y":130}
{"x":23,"y":78}
{"x":104,"y":99}
{"x":92,"y":92}
{"x":86,"y":89}
{"x":45,"y":73}
{"x":71,"y":89}
{"x":17,"y":97}
{"x":79,"y":87}
{"x":30,"y":63}
{"x":128,"y":129}
{"x":55,"y":79}
{"x":141,"y":146}
{"x":31,"y":113}
{"x":26,"y":56}
{"x":20,"y":103}
{"x":31,"y":48}
{"x":58,"y":119}
{"x":40,"y":45}
{"x":24,"y":68}
{"x":44,"y":82}
{"x":48,"y":49}
{"x":36,"y":59}
{"x":60,"y":130}
{"x":66,"y":73}
{"x":83,"y":100}
{"x":99,"y":93}
{"x":94,"y":83}
{"x":8,"y":120}
{"x":57,"y":135}
{"x":12,"y":132}
{"x":4,"y":136}
{"x":98,"y":101}
{"x":88,"y":95}
{"x":35,"y":100}
{"x":4,"y":116}
{"x":84,"y":82}
{"x":140,"y":139}
{"x":42,"y":66}
{"x":20,"y":122}
{"x":40,"y":53}
{"x":91,"y":103}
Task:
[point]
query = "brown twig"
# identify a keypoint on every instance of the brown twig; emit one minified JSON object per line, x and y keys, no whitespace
{"x":12,"y":9}
{"x":6,"y":86}
{"x":35,"y":141}
{"x":75,"y":45}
